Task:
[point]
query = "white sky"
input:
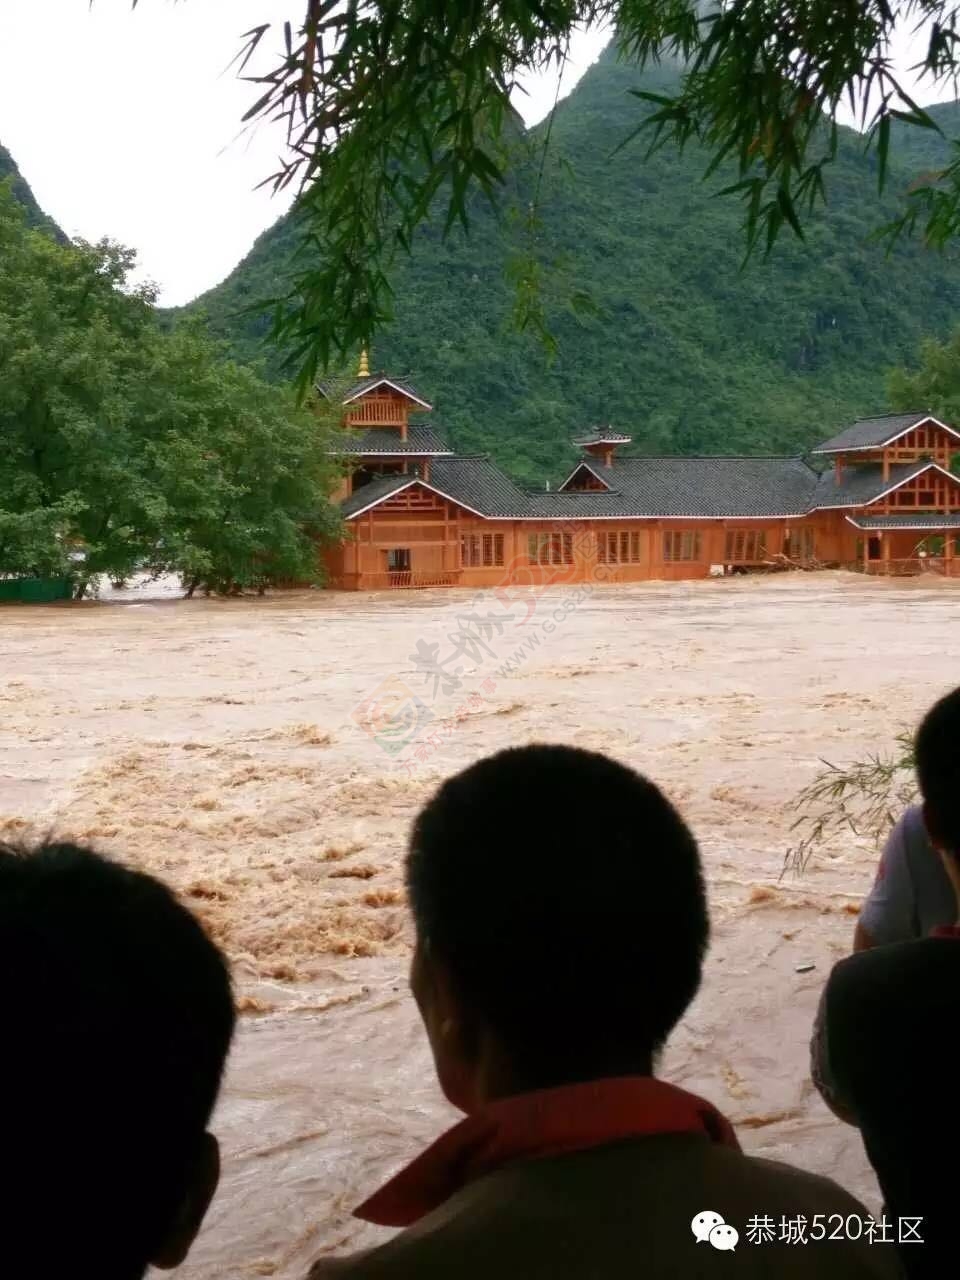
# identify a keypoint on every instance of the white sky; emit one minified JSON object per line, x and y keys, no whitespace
{"x":127,"y":124}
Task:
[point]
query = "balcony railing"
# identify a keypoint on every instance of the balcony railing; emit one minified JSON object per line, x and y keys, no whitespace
{"x":910,"y":566}
{"x":409,"y":579}
{"x":377,"y":413}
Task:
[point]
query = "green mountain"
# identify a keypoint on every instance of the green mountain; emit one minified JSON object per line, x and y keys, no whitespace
{"x":22,"y":192}
{"x":921,"y":150}
{"x":684,"y":349}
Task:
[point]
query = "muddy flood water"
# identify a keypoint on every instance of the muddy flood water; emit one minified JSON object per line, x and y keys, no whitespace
{"x":213,"y":743}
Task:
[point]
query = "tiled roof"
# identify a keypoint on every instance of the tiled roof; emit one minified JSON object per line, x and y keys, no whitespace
{"x":714,"y":486}
{"x":566,"y":504}
{"x":657,"y":487}
{"x":473,"y":482}
{"x":602,"y":435}
{"x":673,"y":487}
{"x":922,"y":520}
{"x":381,"y":440}
{"x":595,"y":469}
{"x":370,"y":494}
{"x":862,"y":484}
{"x":871,"y":433}
{"x":477,"y":483}
{"x":366,"y":385}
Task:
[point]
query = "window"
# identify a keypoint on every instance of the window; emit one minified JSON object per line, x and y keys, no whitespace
{"x":926,"y":498}
{"x":550,"y":548}
{"x":680,"y":545}
{"x":619,"y":547}
{"x":481,"y":549}
{"x":607,"y":548}
{"x":745,"y":546}
{"x":493,"y":549}
{"x":798,"y":544}
{"x":398,"y":560}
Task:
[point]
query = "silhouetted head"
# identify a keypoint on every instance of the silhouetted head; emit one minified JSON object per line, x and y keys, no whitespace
{"x":561,"y":922}
{"x":937,"y":754}
{"x":117,"y":1020}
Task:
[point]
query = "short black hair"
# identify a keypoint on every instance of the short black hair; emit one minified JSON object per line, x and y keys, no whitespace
{"x":937,"y":755}
{"x":118,"y":1016}
{"x":564,"y":894}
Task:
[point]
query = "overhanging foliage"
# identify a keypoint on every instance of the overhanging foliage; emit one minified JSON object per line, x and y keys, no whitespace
{"x":395,"y":108}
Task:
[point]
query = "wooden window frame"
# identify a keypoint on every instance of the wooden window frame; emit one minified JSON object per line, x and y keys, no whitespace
{"x":403,"y":552}
{"x":481,"y":550}
{"x":682,"y":546}
{"x":745,"y":546}
{"x":551,"y":548}
{"x":620,"y":546}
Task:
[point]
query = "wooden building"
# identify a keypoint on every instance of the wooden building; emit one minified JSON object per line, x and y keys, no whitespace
{"x":418,"y":515}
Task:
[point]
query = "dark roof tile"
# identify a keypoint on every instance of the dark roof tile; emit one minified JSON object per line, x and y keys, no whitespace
{"x":656,"y":487}
{"x":714,"y":486}
{"x":871,"y":433}
{"x":366,"y":385}
{"x":922,"y":520}
{"x":566,"y":504}
{"x":595,"y":468}
{"x":369,"y":494}
{"x":862,"y":484}
{"x":479,"y":484}
{"x":383,"y":440}
{"x":601,"y":435}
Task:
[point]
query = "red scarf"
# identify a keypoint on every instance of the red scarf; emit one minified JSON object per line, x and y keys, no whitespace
{"x":530,"y":1126}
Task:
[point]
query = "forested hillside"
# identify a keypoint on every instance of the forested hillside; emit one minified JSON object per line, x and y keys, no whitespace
{"x":23,"y":194}
{"x":684,"y":349}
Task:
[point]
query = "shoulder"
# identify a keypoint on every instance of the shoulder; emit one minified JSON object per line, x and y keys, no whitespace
{"x":911,"y":829}
{"x":899,"y":962}
{"x":906,"y":834}
{"x":809,"y":1191}
{"x":877,"y":1002}
{"x":858,"y":981}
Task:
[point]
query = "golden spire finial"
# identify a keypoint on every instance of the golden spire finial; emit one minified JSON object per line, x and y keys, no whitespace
{"x":364,"y":370}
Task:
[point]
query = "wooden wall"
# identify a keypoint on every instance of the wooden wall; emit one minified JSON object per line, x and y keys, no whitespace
{"x":551,"y":551}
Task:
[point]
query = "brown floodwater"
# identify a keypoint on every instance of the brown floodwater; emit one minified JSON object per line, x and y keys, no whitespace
{"x":215,"y":744}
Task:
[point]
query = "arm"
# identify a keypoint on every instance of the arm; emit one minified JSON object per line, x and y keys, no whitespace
{"x":888,"y":913}
{"x":822,"y":1069}
{"x":862,"y":939}
{"x":331,"y":1268}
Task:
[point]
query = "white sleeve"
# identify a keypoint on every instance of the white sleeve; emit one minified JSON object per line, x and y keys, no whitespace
{"x":889,"y":911}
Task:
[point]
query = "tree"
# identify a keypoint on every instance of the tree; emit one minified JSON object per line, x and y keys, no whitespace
{"x":934,"y":385}
{"x":71,"y":344}
{"x":239,"y":472}
{"x":864,"y":799}
{"x":137,"y":447}
{"x":399,"y":109}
